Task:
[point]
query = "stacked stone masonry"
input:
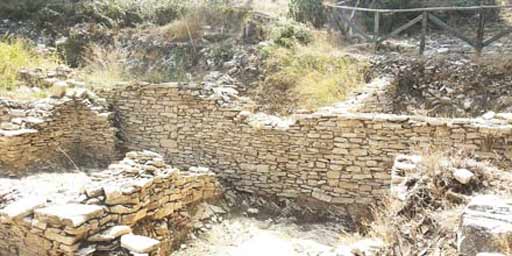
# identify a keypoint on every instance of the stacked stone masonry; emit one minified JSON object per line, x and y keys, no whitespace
{"x":332,"y":156}
{"x":54,"y":135}
{"x":141,"y":188}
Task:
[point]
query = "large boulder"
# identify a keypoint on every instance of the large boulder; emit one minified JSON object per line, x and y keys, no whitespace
{"x":486,"y":226}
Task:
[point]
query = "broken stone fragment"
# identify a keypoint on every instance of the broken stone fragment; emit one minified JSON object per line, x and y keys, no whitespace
{"x":343,"y":250}
{"x":72,"y":215}
{"x":139,"y":244}
{"x":86,"y":251}
{"x":489,"y":115}
{"x":9,"y":126}
{"x":253,"y":211}
{"x":79,"y":93}
{"x":505,"y":116}
{"x":463,"y":176}
{"x":94,"y":191}
{"x":486,"y":226}
{"x":368,"y":247}
{"x":110,"y":234}
{"x":114,"y":195}
{"x":139,"y":254}
{"x":206,"y":211}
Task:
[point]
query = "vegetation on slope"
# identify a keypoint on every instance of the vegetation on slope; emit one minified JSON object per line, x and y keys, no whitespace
{"x":305,"y":69}
{"x":16,"y":54}
{"x":425,"y":221}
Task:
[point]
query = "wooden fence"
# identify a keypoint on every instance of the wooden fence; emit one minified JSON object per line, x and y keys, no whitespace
{"x":425,"y":16}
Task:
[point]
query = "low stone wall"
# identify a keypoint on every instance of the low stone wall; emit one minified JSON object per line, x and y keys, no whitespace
{"x":141,"y":188}
{"x":55,"y":134}
{"x":339,"y":158}
{"x":376,"y":97}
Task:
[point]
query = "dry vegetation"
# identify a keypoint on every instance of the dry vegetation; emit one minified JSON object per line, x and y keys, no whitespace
{"x":104,"y":67}
{"x":425,"y":222}
{"x":186,"y":28}
{"x":309,"y":75}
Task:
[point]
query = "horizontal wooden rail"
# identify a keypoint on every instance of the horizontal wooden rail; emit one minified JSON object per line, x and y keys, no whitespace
{"x":427,"y":9}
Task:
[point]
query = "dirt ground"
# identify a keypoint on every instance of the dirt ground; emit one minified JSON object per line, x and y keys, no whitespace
{"x":245,"y":236}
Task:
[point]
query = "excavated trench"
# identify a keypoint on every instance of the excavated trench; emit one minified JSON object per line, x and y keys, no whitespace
{"x":233,"y":223}
{"x":273,"y":186}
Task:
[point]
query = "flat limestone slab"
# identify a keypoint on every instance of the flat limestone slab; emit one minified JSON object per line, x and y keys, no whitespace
{"x":72,"y":215}
{"x":110,"y":234}
{"x":139,"y":244}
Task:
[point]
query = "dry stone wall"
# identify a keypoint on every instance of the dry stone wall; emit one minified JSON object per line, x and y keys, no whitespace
{"x":341,"y":158}
{"x":376,"y":97}
{"x":140,"y":189}
{"x":54,"y":134}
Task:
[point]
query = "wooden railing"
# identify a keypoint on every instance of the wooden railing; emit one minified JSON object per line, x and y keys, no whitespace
{"x":425,"y":16}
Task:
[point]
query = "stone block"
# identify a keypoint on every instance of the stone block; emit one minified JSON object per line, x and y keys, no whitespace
{"x":72,"y":215}
{"x":139,"y":244}
{"x":486,"y":226}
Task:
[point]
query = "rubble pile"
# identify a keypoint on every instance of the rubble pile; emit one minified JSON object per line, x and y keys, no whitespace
{"x":452,"y":86}
{"x":427,"y":213}
{"x":447,"y":86}
{"x":106,"y":217}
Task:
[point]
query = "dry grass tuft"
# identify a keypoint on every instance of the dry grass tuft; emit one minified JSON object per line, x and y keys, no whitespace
{"x":104,"y":67}
{"x":188,"y":27}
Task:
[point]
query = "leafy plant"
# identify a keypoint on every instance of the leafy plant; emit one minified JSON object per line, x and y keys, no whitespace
{"x":288,"y":34}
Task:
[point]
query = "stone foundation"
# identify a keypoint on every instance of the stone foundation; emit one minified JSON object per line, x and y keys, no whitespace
{"x":54,"y":135}
{"x":140,"y":189}
{"x":333,"y":156}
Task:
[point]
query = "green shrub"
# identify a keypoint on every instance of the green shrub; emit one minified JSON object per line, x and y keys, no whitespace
{"x":288,"y":34}
{"x":308,"y":11}
{"x":22,"y":8}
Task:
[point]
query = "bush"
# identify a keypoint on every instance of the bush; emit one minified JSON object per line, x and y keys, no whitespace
{"x":288,"y":34}
{"x":22,"y":8}
{"x":308,"y":11}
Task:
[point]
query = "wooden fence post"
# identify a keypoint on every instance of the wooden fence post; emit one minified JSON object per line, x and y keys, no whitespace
{"x":423,"y":33}
{"x":376,"y":30}
{"x":480,"y":32}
